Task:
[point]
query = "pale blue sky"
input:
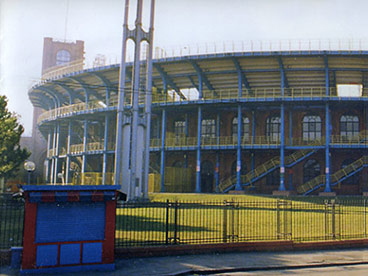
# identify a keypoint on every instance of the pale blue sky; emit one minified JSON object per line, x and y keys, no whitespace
{"x":24,"y":24}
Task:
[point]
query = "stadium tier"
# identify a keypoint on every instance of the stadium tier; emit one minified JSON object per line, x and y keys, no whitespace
{"x":254,"y":122}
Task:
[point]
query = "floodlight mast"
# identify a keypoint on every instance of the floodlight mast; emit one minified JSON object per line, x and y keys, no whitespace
{"x":133,"y":125}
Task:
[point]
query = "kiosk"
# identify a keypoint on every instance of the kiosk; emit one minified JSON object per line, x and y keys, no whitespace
{"x":69,"y":228}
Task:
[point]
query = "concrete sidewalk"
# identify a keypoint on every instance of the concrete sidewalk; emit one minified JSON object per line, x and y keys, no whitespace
{"x":187,"y":264}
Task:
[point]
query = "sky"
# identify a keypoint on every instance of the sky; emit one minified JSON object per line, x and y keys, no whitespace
{"x":24,"y":24}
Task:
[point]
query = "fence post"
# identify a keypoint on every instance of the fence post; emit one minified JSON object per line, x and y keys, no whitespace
{"x":365,"y":218}
{"x":176,"y":222}
{"x":333,"y":219}
{"x":167,"y":222}
{"x":233,"y":235}
{"x":224,"y":223}
{"x":326,"y":220}
{"x":278,"y":218}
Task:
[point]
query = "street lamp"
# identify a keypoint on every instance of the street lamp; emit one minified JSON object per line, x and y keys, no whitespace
{"x":29,"y":166}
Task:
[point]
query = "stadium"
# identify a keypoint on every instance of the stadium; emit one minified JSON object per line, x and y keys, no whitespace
{"x":240,"y":118}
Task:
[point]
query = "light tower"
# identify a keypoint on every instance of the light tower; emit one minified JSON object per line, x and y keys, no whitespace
{"x":133,"y":117}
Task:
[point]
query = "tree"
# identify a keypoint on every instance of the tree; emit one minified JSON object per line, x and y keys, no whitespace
{"x":11,"y":155}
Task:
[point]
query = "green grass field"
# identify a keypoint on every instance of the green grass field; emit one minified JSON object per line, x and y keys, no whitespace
{"x":205,"y":218}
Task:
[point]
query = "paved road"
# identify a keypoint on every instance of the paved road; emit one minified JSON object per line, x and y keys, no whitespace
{"x":354,"y":270}
{"x":262,"y":263}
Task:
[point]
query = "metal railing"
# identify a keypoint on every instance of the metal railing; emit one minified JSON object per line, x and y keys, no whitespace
{"x":182,"y":141}
{"x":305,"y":45}
{"x":320,"y":180}
{"x":70,"y":67}
{"x":199,"y":222}
{"x":11,"y":221}
{"x":287,"y":45}
{"x":257,"y":93}
{"x":168,"y":223}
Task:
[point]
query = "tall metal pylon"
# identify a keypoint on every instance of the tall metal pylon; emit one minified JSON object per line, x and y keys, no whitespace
{"x":133,"y":121}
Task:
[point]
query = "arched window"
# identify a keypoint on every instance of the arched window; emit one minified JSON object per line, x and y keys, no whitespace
{"x":311,"y":169}
{"x":349,"y":126}
{"x":244,"y":129}
{"x":243,"y":170}
{"x":273,"y":178}
{"x":312,"y":128}
{"x":352,"y":180}
{"x":273,"y":126}
{"x":62,"y":57}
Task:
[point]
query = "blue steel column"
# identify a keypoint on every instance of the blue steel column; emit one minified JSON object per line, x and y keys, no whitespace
{"x":199,"y":134}
{"x":84,"y":160}
{"x":290,"y":127}
{"x":163,"y":136}
{"x":238,"y":152}
{"x":57,"y":151}
{"x":282,"y":130}
{"x":68,"y":152}
{"x":217,"y":169}
{"x":328,"y":187}
{"x":104,"y":164}
{"x":291,"y":143}
{"x":198,"y":163}
{"x":282,"y":152}
{"x":327,"y":129}
{"x":253,"y":127}
{"x":48,"y":156}
{"x":238,"y":186}
{"x":186,"y":136}
{"x":53,"y":156}
{"x":253,"y":140}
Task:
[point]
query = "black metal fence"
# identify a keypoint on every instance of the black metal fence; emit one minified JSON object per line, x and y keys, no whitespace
{"x":300,"y":219}
{"x":11,"y":222}
{"x":165,"y":223}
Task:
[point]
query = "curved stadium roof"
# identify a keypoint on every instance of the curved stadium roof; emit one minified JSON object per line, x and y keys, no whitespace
{"x":219,"y":71}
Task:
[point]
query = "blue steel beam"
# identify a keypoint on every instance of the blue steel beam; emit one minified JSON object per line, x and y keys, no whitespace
{"x":108,"y":86}
{"x":203,"y":76}
{"x":87,"y":88}
{"x":193,"y":83}
{"x":241,"y":73}
{"x":327,"y":75}
{"x":169,"y":81}
{"x":53,"y":96}
{"x":44,"y":102}
{"x":282,"y":71}
{"x":72,"y":93}
{"x":75,"y":93}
